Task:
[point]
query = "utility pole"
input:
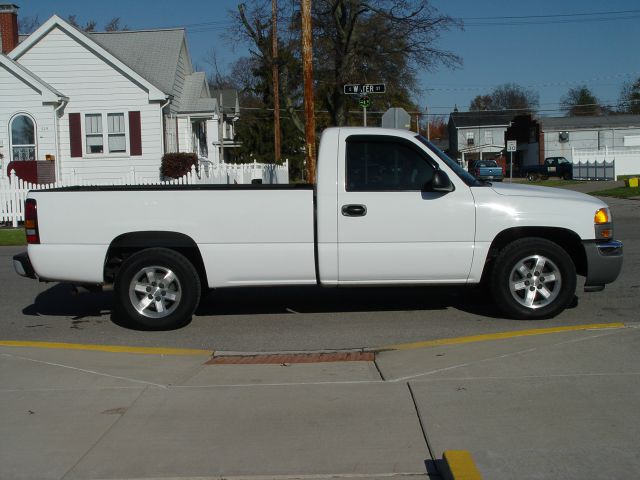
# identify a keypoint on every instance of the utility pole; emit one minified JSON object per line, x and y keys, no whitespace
{"x":221,"y":129}
{"x":426,"y":109}
{"x":276,"y":80}
{"x":307,"y":68}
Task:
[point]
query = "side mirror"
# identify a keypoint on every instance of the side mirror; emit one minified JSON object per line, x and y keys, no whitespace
{"x":441,"y":182}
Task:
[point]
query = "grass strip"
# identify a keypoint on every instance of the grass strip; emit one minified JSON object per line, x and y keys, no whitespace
{"x":12,"y":237}
{"x":619,"y":192}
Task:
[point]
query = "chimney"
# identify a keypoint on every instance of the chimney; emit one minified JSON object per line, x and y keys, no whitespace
{"x":8,"y":27}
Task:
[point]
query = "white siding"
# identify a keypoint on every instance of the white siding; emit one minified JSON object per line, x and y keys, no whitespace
{"x":595,"y":139}
{"x":18,"y":97}
{"x":184,"y":68}
{"x":185,"y":140}
{"x":95,"y":86}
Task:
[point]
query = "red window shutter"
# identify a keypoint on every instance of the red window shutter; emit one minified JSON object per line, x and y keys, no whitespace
{"x":75,"y":134}
{"x":135,"y":134}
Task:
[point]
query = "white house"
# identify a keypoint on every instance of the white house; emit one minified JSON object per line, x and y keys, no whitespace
{"x":99,"y":104}
{"x":477,"y":135}
{"x":564,"y":135}
{"x":578,"y":139}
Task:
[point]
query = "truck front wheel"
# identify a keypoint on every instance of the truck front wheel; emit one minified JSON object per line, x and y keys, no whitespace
{"x":157,"y":289}
{"x":533,"y":278}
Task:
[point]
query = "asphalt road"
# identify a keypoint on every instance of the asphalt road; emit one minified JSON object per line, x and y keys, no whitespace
{"x":305,"y":319}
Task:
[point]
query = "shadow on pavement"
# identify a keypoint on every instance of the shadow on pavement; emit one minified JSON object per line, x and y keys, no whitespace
{"x":59,"y":300}
{"x":313,"y":299}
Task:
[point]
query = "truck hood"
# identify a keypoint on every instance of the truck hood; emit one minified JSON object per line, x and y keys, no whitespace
{"x":517,"y":190}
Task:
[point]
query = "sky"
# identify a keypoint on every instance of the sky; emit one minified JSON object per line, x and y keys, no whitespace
{"x":546,"y":46}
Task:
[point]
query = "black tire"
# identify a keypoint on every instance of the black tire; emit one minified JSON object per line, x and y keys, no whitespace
{"x":567,"y":176}
{"x":533,"y":177}
{"x":533,"y":278}
{"x":156,"y":289}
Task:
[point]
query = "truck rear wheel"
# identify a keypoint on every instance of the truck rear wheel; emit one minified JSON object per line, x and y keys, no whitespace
{"x":156,"y":289}
{"x":533,"y":278}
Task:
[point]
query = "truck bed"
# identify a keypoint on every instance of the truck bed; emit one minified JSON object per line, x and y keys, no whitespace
{"x":247,"y":234}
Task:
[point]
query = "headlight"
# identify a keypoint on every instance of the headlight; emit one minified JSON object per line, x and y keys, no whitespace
{"x":603,"y":226}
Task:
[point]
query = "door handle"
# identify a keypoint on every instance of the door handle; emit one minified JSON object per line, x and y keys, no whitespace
{"x":354,"y":210}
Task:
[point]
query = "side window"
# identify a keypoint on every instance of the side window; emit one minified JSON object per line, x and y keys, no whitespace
{"x":105,"y":133}
{"x":93,"y":133}
{"x":23,"y":138}
{"x":385,"y":165}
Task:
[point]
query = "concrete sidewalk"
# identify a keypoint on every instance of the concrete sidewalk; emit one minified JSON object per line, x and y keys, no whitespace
{"x":561,"y":405}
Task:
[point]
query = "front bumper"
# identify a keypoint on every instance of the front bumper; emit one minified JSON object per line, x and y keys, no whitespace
{"x":22,"y":265}
{"x":604,"y":263}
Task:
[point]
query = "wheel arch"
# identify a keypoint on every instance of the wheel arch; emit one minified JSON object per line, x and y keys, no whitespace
{"x":129,"y":243}
{"x":567,"y":239}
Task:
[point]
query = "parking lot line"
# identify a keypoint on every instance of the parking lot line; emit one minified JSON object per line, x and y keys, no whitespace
{"x":500,"y":336}
{"x":109,"y":348}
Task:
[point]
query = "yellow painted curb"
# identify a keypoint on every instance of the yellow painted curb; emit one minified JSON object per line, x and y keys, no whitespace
{"x":109,"y":348}
{"x":501,"y":336}
{"x":458,"y":465}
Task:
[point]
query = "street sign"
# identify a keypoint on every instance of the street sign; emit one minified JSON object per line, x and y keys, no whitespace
{"x":396,"y":118}
{"x":512,"y":146}
{"x":364,"y":102}
{"x":359,"y":89}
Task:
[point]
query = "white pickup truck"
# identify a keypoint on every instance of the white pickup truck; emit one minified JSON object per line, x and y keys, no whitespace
{"x":388,"y":209}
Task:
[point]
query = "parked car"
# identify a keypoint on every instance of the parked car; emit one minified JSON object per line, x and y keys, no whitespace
{"x":487,"y":170}
{"x":552,"y":167}
{"x":388,"y":208}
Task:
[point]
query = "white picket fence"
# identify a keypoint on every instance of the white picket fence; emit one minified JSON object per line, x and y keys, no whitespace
{"x":13,"y":190}
{"x":625,"y":161}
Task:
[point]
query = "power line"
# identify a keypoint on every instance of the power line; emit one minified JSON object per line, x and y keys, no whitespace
{"x":554,"y":15}
{"x":507,"y":20}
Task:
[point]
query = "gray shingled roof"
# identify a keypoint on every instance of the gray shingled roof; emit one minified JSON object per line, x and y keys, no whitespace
{"x":192,"y":95}
{"x":481,"y":118}
{"x":573,"y":123}
{"x":151,"y":53}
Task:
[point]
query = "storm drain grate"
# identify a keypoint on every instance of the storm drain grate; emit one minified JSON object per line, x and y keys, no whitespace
{"x":291,"y":358}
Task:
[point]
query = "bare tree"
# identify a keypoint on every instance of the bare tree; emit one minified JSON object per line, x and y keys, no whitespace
{"x":113,"y":25}
{"x":356,"y":41}
{"x":579,"y":101}
{"x":90,"y":26}
{"x":27,"y":25}
{"x":376,"y":41}
{"x":256,"y":29}
{"x":509,"y":96}
{"x":630,"y":98}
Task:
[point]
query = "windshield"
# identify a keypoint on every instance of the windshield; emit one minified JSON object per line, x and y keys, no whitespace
{"x":465,"y":176}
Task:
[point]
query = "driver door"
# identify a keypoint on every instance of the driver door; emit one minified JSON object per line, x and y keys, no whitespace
{"x":390,"y":228}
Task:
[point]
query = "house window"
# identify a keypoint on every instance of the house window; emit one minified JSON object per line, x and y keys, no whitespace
{"x":470,"y":138}
{"x":114,"y":136}
{"x":23,"y":138}
{"x":93,"y":132}
{"x":117,"y":140}
{"x":488,"y":137}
